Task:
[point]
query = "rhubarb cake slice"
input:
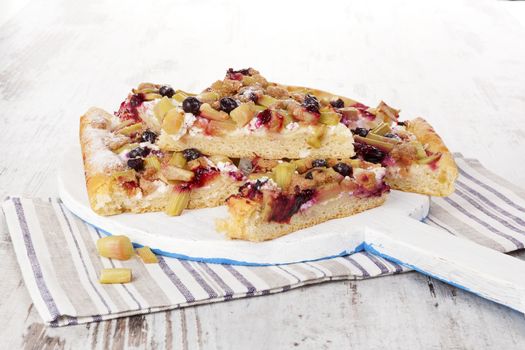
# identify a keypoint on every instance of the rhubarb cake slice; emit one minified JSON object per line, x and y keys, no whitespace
{"x":283,"y":197}
{"x":244,"y":115}
{"x":126,"y":171}
{"x":415,"y":157}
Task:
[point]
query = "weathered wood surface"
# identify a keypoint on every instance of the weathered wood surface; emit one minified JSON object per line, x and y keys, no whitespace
{"x":461,"y":64}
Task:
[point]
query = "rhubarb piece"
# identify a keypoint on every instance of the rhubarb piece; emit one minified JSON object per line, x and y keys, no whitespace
{"x":209,"y":97}
{"x":126,"y":148}
{"x":382,"y":138}
{"x":174,"y":173}
{"x":216,"y":159}
{"x":208,"y":112}
{"x":116,"y":275}
{"x":304,"y":115}
{"x":129,"y":130}
{"x":243,"y":114}
{"x":173,"y":121}
{"x":420,"y":150}
{"x":152,"y":162}
{"x":151,"y":96}
{"x":147,"y":256}
{"x":247,"y":80}
{"x":220,"y":128}
{"x":177,"y":202}
{"x":162,"y":107}
{"x":301,"y":165}
{"x":329,"y":118}
{"x":266,"y":101}
{"x":386,"y":112}
{"x":287,"y":117}
{"x":125,"y":176}
{"x":177,"y":159}
{"x":179,"y":96}
{"x":385,"y":146}
{"x":258,"y":108}
{"x":147,"y":86}
{"x":283,"y":173}
{"x":315,"y":139}
{"x":429,"y":159}
{"x":381,"y":129}
{"x":276,"y":122}
{"x":115,"y":247}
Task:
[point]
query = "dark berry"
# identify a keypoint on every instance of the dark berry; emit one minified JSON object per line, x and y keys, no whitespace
{"x":148,"y":136}
{"x":138,"y":152}
{"x":264,"y":117}
{"x":309,"y":176}
{"x":343,"y":169}
{"x":191,"y":105}
{"x":191,"y":154}
{"x":136,"y":163}
{"x":237,"y":74}
{"x":390,"y":135}
{"x":369,"y":153}
{"x":136,"y":100}
{"x":360,"y":131}
{"x":311,"y":103}
{"x":338,"y":103}
{"x":284,"y":207}
{"x":319,"y":163}
{"x":228,"y":104}
{"x":167,"y":91}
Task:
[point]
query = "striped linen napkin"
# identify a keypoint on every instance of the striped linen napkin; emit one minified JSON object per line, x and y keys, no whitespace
{"x":60,"y":265}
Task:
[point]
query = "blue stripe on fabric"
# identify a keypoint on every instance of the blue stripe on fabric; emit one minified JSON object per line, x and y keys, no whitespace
{"x":35,"y":264}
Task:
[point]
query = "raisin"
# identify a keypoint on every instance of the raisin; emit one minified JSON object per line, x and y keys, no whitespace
{"x":311,"y":103}
{"x":343,"y":169}
{"x":191,"y":154}
{"x":148,"y":136}
{"x":319,"y":163}
{"x":360,"y":131}
{"x":136,"y":100}
{"x":337,"y":103}
{"x":136,"y":163}
{"x":369,"y":153}
{"x":228,"y":104}
{"x":138,"y":152}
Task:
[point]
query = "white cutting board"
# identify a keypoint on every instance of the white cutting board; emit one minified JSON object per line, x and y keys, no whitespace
{"x":192,"y":235}
{"x":392,"y":231}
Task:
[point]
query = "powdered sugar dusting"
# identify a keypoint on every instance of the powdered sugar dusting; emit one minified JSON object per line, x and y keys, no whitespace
{"x":101,"y":159}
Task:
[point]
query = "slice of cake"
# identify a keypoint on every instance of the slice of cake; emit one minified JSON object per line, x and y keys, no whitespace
{"x":126,"y":171}
{"x":287,"y":196}
{"x":244,"y":115}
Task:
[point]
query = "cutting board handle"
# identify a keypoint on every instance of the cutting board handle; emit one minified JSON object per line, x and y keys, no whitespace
{"x":453,"y":260}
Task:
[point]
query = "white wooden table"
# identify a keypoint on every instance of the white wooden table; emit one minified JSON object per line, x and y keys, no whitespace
{"x":460,"y":64}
